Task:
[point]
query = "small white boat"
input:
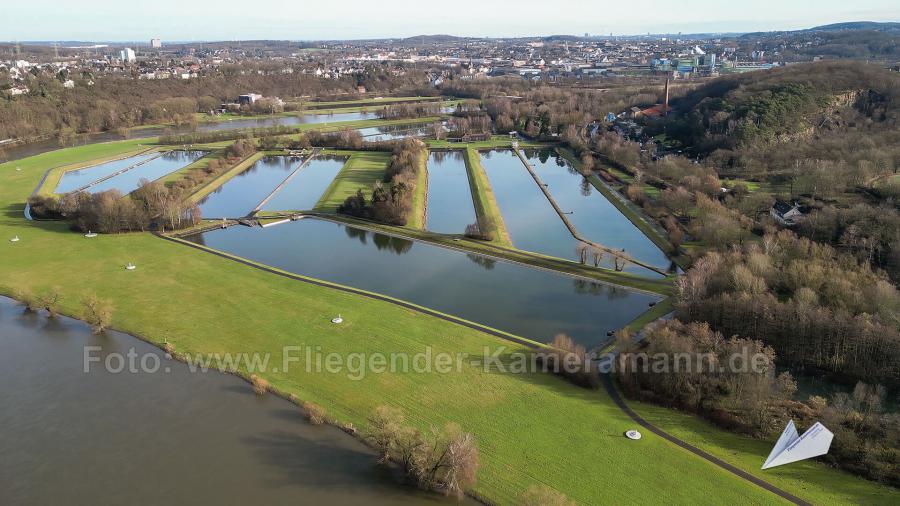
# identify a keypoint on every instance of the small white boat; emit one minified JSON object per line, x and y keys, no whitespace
{"x":90,"y":235}
{"x":130,"y":266}
{"x":633,"y":434}
{"x":337,"y":320}
{"x":14,"y":239}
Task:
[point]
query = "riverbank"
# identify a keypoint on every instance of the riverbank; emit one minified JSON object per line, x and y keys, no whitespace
{"x":263,"y":432}
{"x":203,"y":303}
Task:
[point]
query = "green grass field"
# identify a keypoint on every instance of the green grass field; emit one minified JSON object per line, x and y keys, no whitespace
{"x":362,"y":170}
{"x":530,"y":428}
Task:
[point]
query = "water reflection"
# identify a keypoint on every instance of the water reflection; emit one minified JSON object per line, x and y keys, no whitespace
{"x":524,"y":301}
{"x":595,"y":217}
{"x":171,"y":437}
{"x":305,"y":189}
{"x":482,"y":261}
{"x":241,"y":194}
{"x":450,"y":206}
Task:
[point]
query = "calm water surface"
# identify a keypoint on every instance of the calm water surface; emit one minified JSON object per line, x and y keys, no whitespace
{"x":76,"y":179}
{"x":242,"y":193}
{"x":532,"y":222}
{"x":521,"y":300}
{"x":592,"y":214}
{"x":307,"y":186}
{"x":450,"y":206}
{"x":154,"y":169}
{"x":171,"y":437}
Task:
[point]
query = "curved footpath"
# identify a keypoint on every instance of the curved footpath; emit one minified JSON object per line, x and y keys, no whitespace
{"x":607,"y":380}
{"x":617,"y":398}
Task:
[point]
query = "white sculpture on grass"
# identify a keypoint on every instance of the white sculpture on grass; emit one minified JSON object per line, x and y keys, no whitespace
{"x":792,"y":447}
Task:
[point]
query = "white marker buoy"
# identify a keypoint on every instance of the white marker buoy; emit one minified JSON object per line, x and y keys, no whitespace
{"x":337,"y":320}
{"x":633,"y":434}
{"x":130,"y":266}
{"x":14,"y":239}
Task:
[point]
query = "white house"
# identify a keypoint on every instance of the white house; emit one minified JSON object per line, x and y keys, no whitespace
{"x":785,"y":213}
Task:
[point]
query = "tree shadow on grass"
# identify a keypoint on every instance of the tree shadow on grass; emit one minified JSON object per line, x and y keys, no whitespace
{"x":546,"y":380}
{"x":16,"y":210}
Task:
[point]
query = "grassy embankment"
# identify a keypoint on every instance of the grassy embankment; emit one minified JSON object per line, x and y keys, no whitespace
{"x":495,"y":142}
{"x":213,"y":184}
{"x":362,"y":170}
{"x":531,"y":428}
{"x":487,"y":212}
{"x":420,"y":196}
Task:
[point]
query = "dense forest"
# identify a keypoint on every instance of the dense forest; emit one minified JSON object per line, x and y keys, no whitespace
{"x":826,"y":135}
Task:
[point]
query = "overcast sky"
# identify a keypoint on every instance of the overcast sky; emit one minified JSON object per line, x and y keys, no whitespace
{"x":130,"y":20}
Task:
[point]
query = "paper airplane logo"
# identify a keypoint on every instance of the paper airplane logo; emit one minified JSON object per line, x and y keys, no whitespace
{"x":792,"y":447}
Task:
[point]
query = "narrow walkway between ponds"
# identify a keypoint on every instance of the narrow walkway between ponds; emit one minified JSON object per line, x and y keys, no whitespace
{"x":117,"y":173}
{"x":620,"y":402}
{"x":287,"y":180}
{"x":572,"y":228}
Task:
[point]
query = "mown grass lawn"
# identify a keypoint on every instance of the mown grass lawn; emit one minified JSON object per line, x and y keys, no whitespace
{"x":531,"y":428}
{"x":749,"y":454}
{"x":361,"y":171}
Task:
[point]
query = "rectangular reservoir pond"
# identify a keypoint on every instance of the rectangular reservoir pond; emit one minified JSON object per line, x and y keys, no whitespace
{"x":242,"y":193}
{"x":532,"y":222}
{"x":307,"y":186}
{"x":593,"y":215}
{"x":524,"y":301}
{"x":287,"y":120}
{"x":71,"y":437}
{"x":450,"y":206}
{"x":152,"y":170}
{"x":75,"y":179}
{"x":394,"y":132}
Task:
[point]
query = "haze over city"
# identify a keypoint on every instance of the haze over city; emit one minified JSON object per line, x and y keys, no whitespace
{"x":112,"y":20}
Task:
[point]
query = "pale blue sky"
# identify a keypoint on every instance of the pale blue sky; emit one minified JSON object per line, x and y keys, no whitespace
{"x":130,"y":20}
